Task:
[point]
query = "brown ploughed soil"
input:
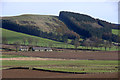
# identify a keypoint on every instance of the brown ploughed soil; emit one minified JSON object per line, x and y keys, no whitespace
{"x":86,"y":55}
{"x":26,"y":73}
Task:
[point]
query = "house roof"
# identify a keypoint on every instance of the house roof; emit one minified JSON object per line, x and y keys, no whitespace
{"x":41,"y":48}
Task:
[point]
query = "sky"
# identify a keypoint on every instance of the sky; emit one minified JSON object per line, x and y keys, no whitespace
{"x":107,"y":11}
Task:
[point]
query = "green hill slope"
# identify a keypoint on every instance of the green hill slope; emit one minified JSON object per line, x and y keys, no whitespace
{"x":45,"y":23}
{"x":68,"y":25}
{"x":39,"y":25}
{"x":116,"y":31}
{"x":13,"y":36}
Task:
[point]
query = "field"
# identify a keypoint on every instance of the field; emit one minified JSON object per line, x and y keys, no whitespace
{"x":13,"y":36}
{"x":10,"y":56}
{"x":88,"y":66}
{"x":18,"y":73}
{"x":67,"y":64}
{"x":115,"y":31}
{"x":80,"y":55}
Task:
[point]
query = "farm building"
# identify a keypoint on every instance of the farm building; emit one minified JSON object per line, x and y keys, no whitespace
{"x":41,"y":49}
{"x":24,"y":48}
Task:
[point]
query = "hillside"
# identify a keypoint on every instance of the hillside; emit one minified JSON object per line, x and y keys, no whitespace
{"x":87,"y":26}
{"x":45,"y":23}
{"x":39,"y":25}
{"x":13,"y":36}
{"x":68,"y":25}
{"x":116,"y":32}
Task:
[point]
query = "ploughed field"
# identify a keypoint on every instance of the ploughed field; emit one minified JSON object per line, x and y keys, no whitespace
{"x":18,"y":73}
{"x":80,"y":55}
{"x":69,"y":64}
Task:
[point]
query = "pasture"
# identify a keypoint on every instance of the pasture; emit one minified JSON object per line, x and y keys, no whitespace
{"x":83,"y":61}
{"x":13,"y":36}
{"x":10,"y":56}
{"x":115,"y":31}
{"x":88,"y":66}
{"x":101,"y":63}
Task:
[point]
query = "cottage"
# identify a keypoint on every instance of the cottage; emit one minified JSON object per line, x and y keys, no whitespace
{"x":26,"y":48}
{"x":23,"y":48}
{"x":48,"y":49}
{"x":38,"y":49}
{"x":41,"y":49}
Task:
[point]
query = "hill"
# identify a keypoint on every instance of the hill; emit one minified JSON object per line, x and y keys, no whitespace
{"x":116,"y":31}
{"x":68,"y":25}
{"x":39,"y":25}
{"x":87,"y":27}
{"x":13,"y":36}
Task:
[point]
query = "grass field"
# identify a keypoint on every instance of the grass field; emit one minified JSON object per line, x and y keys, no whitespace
{"x":10,"y":56}
{"x":13,"y":36}
{"x":115,"y":31}
{"x":67,"y":65}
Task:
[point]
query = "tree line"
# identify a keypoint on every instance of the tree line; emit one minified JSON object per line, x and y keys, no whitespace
{"x":82,"y":24}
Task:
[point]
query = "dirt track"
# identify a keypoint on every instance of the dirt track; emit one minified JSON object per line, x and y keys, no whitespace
{"x":91,"y":55}
{"x":25,"y":73}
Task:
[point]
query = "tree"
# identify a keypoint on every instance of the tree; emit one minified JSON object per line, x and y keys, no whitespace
{"x":110,"y":45}
{"x":106,"y":44}
{"x":30,"y":41}
{"x":86,"y":43}
{"x":4,"y":40}
{"x":17,"y":45}
{"x":36,"y":41}
{"x":24,"y":40}
{"x":76,"y":43}
{"x":50,"y":44}
{"x":92,"y":44}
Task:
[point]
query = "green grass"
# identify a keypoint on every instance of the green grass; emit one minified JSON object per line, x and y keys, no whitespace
{"x":81,"y":69}
{"x":113,"y":48}
{"x":68,"y":65}
{"x":115,"y":31}
{"x":13,"y":36}
{"x":10,"y":56}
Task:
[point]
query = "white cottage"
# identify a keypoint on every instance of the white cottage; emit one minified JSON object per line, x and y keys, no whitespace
{"x":23,"y":48}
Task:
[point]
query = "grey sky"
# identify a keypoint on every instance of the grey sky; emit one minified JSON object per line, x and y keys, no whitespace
{"x":107,"y":11}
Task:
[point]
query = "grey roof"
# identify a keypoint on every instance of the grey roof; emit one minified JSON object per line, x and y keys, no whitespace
{"x":41,"y":48}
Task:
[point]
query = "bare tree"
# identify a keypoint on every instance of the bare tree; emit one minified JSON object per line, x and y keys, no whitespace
{"x":50,"y":44}
{"x":4,"y":40}
{"x":24,"y":40}
{"x":92,"y":44}
{"x":36,"y":41}
{"x":17,"y":45}
{"x":86,"y":43}
{"x":110,"y":44}
{"x":30,"y":41}
{"x":106,"y":44}
{"x":76,"y":43}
